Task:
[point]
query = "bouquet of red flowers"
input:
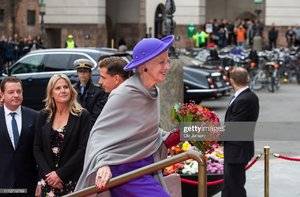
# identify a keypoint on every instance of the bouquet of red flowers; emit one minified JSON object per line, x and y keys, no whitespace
{"x":193,"y":113}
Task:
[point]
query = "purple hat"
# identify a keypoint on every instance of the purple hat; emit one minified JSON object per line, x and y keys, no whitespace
{"x":147,"y":49}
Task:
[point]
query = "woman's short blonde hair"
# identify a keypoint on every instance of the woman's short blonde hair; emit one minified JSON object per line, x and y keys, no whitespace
{"x":50,"y":106}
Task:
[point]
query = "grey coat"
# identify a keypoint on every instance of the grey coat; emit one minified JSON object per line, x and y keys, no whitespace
{"x":127,"y":130}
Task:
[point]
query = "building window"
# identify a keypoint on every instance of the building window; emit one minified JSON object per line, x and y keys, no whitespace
{"x":1,"y":15}
{"x":31,"y":17}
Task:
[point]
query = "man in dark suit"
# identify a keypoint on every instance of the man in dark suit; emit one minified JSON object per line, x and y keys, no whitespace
{"x":17,"y":164}
{"x":243,"y":110}
{"x":91,"y":97}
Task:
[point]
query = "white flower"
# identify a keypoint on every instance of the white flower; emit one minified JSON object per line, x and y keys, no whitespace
{"x":60,"y":130}
{"x":43,"y":183}
{"x":55,"y":150}
{"x":50,"y":194}
{"x":177,"y":107}
{"x":190,"y":168}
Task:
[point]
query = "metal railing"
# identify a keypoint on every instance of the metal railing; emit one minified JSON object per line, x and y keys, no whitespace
{"x":202,"y":190}
{"x":267,"y":171}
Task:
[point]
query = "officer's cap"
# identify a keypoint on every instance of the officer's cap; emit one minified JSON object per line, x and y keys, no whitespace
{"x":83,"y":63}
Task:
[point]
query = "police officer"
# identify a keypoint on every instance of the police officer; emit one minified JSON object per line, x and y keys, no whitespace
{"x":91,"y":97}
{"x":70,"y":42}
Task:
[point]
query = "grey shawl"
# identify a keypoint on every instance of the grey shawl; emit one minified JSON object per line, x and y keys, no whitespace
{"x":127,"y":130}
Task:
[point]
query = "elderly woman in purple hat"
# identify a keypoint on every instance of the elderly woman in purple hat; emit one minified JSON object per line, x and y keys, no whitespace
{"x":126,"y":135}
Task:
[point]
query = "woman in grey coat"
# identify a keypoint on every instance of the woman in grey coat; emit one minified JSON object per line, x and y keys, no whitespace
{"x":126,"y":135}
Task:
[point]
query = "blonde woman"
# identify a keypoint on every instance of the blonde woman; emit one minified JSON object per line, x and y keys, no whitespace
{"x":62,"y":130}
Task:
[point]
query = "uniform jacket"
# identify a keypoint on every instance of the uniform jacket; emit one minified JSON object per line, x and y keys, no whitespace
{"x":93,"y":99}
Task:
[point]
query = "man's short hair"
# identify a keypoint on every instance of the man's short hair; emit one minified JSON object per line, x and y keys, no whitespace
{"x":240,"y":76}
{"x":9,"y":79}
{"x":115,"y":66}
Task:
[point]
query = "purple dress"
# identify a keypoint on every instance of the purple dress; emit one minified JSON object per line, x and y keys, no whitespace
{"x":147,"y":185}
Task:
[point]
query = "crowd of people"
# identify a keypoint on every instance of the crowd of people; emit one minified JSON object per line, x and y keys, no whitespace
{"x":12,"y":48}
{"x":225,"y":32}
{"x":222,"y":33}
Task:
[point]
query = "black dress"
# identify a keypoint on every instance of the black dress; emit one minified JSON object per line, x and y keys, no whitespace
{"x":57,"y":140}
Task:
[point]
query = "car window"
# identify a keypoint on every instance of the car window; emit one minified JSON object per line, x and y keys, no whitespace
{"x":95,"y":56}
{"x":28,"y":64}
{"x":57,"y":62}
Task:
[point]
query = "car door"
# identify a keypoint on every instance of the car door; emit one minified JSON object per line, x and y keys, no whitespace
{"x":27,"y":69}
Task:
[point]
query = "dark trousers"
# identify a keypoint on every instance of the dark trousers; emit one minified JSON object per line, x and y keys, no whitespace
{"x":272,"y":44}
{"x":234,"y":180}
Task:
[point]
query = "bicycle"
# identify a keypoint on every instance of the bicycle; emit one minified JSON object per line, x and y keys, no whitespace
{"x":267,"y":76}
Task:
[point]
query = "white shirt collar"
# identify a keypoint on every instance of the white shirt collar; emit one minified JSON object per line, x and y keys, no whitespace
{"x":238,"y":92}
{"x":8,"y":111}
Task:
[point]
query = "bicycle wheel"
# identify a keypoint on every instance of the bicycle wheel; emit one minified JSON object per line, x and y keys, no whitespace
{"x":257,"y":82}
{"x":276,"y":80}
{"x":271,"y":84}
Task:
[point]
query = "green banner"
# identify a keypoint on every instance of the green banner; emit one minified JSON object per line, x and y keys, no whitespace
{"x":258,"y":1}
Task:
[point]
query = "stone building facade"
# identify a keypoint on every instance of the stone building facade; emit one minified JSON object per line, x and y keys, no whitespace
{"x":19,"y":17}
{"x":102,"y":23}
{"x":94,"y":23}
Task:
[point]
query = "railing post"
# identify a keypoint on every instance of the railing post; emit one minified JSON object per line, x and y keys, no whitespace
{"x":112,"y":43}
{"x":202,"y":178}
{"x":266,"y":174}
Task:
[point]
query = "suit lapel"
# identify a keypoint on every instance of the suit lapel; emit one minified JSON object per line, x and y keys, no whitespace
{"x":47,"y":128}
{"x":69,"y":128}
{"x":239,"y":96}
{"x":25,"y":122}
{"x":228,"y":112}
{"x":3,"y":127}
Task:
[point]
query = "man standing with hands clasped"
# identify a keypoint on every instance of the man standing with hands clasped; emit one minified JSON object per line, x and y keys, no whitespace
{"x":18,"y":173}
{"x":244,"y":107}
